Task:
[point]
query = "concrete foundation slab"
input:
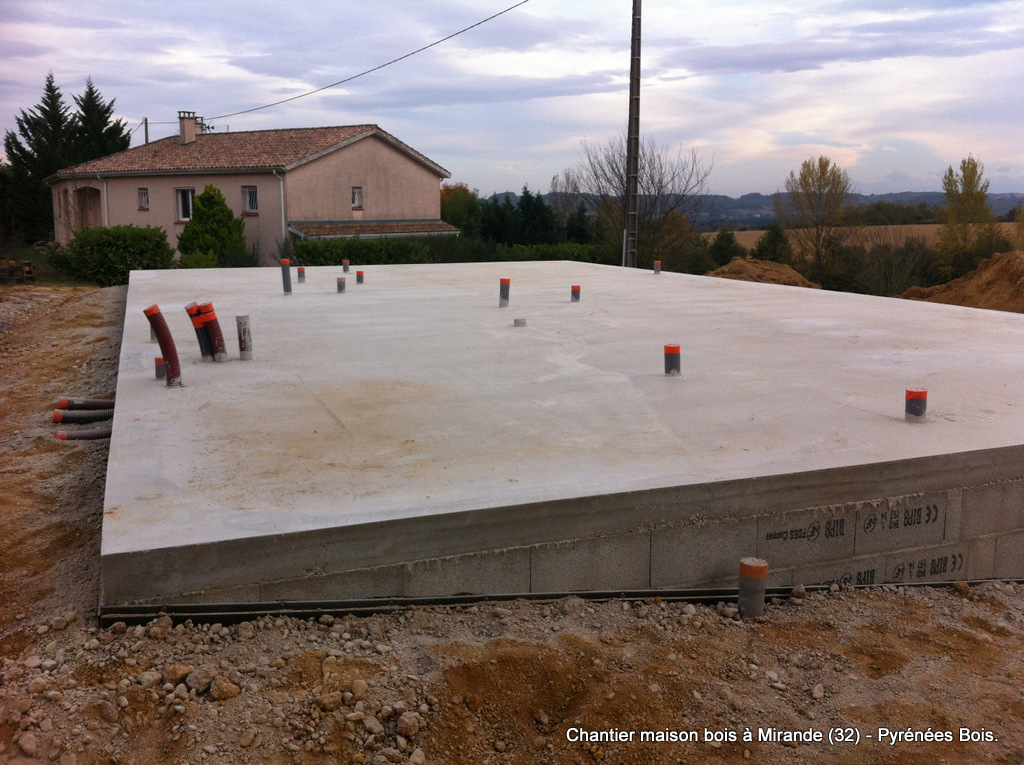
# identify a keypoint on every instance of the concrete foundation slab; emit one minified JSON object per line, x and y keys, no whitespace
{"x":407,"y":425}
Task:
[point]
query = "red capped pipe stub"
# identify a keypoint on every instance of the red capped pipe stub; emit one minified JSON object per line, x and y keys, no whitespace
{"x":286,"y":275}
{"x":167,"y":348}
{"x":302,"y":274}
{"x":657,"y":266}
{"x":159,"y":368}
{"x":344,"y":266}
{"x":672,"y":364}
{"x":917,"y":404}
{"x":359,"y":277}
{"x":341,"y":284}
{"x":504,"y":287}
{"x":574,"y":293}
{"x":753,"y":583}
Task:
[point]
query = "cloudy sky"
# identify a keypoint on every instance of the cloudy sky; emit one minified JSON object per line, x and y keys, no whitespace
{"x":894,"y":92}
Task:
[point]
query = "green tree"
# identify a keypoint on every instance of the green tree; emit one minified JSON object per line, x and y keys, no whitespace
{"x":97,"y":134}
{"x":969,"y":232}
{"x":42,"y":145}
{"x":812,"y":208}
{"x":774,"y":245}
{"x":213,"y":229}
{"x":461,"y":208}
{"x":724,"y":248}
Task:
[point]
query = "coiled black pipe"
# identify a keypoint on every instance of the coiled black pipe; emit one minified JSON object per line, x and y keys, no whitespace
{"x":167,"y":349}
{"x":81,"y":416}
{"x":85,"y":403}
{"x":92,"y":434}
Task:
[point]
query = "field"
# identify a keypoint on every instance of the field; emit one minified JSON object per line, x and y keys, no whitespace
{"x":876,"y":234}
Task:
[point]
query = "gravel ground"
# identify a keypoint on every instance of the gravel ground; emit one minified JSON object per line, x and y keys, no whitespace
{"x":887,"y":675}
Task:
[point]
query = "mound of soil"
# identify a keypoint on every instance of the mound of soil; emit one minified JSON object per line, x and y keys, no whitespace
{"x":763,"y":271}
{"x":996,"y":284}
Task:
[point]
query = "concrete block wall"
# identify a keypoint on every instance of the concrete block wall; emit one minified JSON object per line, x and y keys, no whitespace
{"x":943,"y":518}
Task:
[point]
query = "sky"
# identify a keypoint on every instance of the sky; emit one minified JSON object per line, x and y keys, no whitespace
{"x":892,"y":92}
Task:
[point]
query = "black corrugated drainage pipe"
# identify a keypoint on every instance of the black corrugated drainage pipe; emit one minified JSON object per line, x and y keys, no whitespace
{"x":212,"y":325}
{"x":85,"y":403}
{"x":202,"y":333}
{"x":167,"y":349}
{"x":85,"y":415}
{"x":91,"y":434}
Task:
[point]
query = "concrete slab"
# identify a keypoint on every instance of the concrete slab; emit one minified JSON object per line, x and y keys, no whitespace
{"x":409,"y":420}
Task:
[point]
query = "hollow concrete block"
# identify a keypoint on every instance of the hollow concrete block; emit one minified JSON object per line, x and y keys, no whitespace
{"x":993,"y":508}
{"x":378,"y":582}
{"x":616,"y":561}
{"x":497,"y":572}
{"x":696,"y":554}
{"x":911,"y":520}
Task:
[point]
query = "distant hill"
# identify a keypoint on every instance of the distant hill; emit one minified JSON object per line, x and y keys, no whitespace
{"x":755,"y":210}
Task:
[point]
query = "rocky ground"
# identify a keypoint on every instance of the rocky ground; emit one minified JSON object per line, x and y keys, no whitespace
{"x":888,"y":675}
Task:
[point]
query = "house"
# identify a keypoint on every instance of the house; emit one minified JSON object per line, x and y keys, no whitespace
{"x":348,"y":181}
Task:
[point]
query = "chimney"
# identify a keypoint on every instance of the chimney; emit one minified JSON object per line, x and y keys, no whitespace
{"x":189,"y":126}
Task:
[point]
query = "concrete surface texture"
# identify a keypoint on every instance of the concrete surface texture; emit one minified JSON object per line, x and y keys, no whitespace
{"x":414,"y":395}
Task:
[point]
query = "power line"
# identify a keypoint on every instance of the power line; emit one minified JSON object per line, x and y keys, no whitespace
{"x":374,"y":69}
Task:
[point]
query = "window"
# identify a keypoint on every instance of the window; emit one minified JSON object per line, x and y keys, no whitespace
{"x":184,"y":199}
{"x":357,"y":197}
{"x":250,"y":200}
{"x":143,"y":199}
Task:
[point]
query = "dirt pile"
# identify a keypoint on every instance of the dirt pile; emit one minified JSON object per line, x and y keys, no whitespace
{"x":996,"y":284}
{"x":763,"y":271}
{"x":568,"y":682}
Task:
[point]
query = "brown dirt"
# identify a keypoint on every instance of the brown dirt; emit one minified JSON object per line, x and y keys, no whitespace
{"x":997,"y":284}
{"x":500,"y":683}
{"x":764,"y":271}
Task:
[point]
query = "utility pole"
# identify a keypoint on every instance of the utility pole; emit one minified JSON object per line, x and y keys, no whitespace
{"x":633,"y":143}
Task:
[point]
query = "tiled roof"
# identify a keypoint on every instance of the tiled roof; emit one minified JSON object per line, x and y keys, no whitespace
{"x":247,"y":150}
{"x":371,"y":228}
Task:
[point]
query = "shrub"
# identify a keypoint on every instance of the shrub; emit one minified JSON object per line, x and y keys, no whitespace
{"x":365,"y":252}
{"x":197,"y":259}
{"x":107,"y":255}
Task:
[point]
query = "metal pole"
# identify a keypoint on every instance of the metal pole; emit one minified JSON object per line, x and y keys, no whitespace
{"x":633,"y":141}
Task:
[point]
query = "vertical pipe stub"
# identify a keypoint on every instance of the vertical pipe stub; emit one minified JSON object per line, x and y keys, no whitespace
{"x":341,"y":284}
{"x":344,"y":266}
{"x":286,"y":275}
{"x":302,"y":274}
{"x":359,"y":277}
{"x":657,"y":266}
{"x":574,"y":294}
{"x":161,"y":369}
{"x":503,"y":291}
{"x":753,"y":580}
{"x":917,"y":404}
{"x":212,"y":325}
{"x":244,"y":337}
{"x":672,"y":365}
{"x":167,"y":347}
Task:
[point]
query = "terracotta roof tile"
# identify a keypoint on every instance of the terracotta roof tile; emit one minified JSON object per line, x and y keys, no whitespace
{"x":246,"y":150}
